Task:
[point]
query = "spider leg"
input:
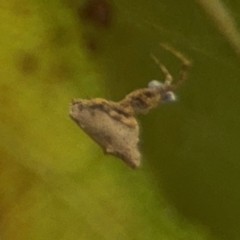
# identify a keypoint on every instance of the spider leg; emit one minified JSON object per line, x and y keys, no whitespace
{"x":168,"y":76}
{"x":186,"y":64}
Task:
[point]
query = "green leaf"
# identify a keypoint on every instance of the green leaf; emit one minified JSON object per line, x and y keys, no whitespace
{"x":55,"y":181}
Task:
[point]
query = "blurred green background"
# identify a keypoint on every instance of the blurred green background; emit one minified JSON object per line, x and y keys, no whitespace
{"x":57,"y":184}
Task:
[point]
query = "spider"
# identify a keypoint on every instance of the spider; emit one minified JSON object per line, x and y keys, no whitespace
{"x":113,"y":125}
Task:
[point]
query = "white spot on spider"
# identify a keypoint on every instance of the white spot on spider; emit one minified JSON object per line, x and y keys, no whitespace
{"x":169,"y":97}
{"x":155,"y":84}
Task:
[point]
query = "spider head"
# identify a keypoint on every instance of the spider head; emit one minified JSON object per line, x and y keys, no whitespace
{"x":164,"y":89}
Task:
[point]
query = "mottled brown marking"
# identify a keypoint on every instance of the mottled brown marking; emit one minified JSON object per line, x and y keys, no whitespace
{"x":5,"y":95}
{"x":91,"y":42}
{"x":21,"y":8}
{"x":98,"y":12}
{"x":60,"y":71}
{"x":141,"y":100}
{"x":59,"y":36}
{"x":113,"y":124}
{"x":27,"y":63}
